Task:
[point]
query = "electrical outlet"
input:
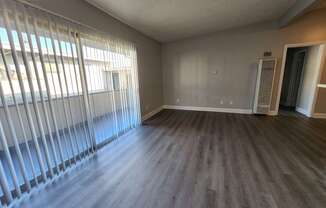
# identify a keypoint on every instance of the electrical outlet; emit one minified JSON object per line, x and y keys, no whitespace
{"x":178,"y":100}
{"x":231,"y":102}
{"x":221,"y":102}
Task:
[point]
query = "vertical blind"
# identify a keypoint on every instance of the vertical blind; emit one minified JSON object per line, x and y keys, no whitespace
{"x":64,"y":92}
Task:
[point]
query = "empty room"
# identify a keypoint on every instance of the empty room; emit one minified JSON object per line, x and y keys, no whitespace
{"x":163,"y":103}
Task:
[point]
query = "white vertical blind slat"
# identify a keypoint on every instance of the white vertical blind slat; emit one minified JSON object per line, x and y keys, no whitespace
{"x":14,"y":136}
{"x":113,"y":94}
{"x":58,"y":97}
{"x":47,"y":86}
{"x":81,"y":152}
{"x":44,"y":107}
{"x":85,"y":89}
{"x":70,"y":116}
{"x":108,"y":91}
{"x":82,"y":105}
{"x":63,"y":98}
{"x":121,"y":87}
{"x":4,"y":184}
{"x":9,"y":160}
{"x":68,"y":90}
{"x":23,"y":94}
{"x":39,"y":121}
{"x":20,"y":120}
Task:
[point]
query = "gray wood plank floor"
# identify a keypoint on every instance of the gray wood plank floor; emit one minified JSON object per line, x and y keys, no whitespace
{"x":202,"y":159}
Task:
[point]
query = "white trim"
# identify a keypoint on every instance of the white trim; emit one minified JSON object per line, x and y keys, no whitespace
{"x":280,"y":83}
{"x":258,"y":80}
{"x":303,"y":111}
{"x":209,"y":109}
{"x":319,"y":115}
{"x":152,"y":113}
{"x":260,"y":68}
{"x":321,"y":60}
{"x":273,"y":113}
{"x":307,"y":44}
{"x":322,"y":85}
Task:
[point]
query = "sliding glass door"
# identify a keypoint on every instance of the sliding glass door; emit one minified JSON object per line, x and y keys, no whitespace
{"x":64,"y":92}
{"x":111,"y":77}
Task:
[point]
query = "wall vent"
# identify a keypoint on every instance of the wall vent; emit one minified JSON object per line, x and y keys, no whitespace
{"x":264,"y":85}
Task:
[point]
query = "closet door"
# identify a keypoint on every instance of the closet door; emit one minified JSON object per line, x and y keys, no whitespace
{"x":264,"y":85}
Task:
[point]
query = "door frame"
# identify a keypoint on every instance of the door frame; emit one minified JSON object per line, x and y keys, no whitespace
{"x":321,"y":64}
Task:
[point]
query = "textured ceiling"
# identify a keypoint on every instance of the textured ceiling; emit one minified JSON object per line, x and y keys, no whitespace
{"x":168,"y":20}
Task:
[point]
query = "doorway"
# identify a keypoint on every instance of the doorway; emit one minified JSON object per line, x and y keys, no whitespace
{"x":293,"y":76}
{"x":301,"y":69}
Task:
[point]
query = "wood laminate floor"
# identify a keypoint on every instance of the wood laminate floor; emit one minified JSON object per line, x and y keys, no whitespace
{"x":202,"y":159}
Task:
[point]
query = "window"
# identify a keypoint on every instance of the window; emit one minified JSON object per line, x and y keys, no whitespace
{"x":63,"y":93}
{"x":115,"y":78}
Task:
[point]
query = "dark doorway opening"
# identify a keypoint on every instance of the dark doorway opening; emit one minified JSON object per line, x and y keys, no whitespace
{"x":293,"y":75}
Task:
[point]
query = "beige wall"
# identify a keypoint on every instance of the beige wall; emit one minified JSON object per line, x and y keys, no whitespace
{"x":204,"y":70}
{"x":321,"y":98}
{"x":321,"y":101}
{"x":308,"y":28}
{"x":149,"y":50}
{"x":323,"y":73}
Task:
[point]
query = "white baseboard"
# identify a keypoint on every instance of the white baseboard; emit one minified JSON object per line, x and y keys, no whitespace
{"x":273,"y":113}
{"x":302,"y":111}
{"x":222,"y":110}
{"x":319,"y":115}
{"x":152,"y":113}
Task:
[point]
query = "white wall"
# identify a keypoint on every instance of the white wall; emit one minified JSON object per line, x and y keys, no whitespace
{"x":309,"y":79}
